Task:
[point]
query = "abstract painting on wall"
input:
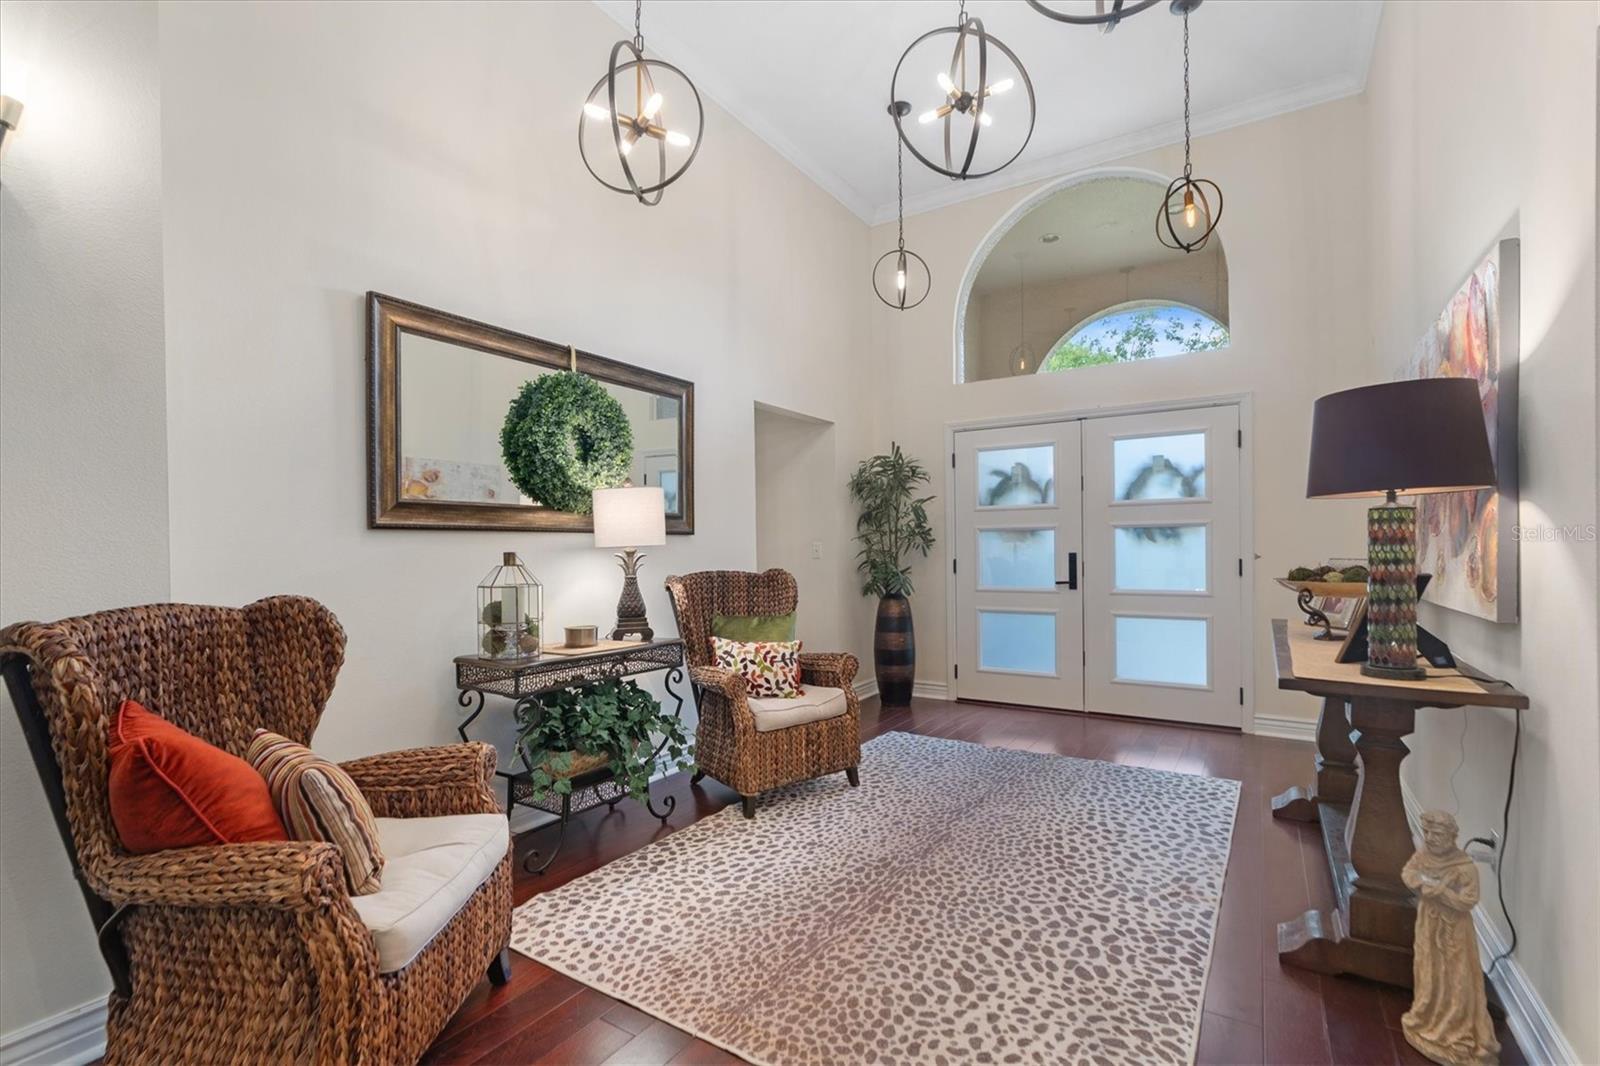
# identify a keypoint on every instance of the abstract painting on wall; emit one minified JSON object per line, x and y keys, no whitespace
{"x":1465,"y":539}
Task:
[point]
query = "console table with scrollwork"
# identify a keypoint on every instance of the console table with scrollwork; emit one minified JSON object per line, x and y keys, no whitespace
{"x":524,"y":680}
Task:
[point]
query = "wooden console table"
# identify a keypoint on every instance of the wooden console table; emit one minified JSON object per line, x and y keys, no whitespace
{"x":1360,"y":745}
{"x":525,"y":680}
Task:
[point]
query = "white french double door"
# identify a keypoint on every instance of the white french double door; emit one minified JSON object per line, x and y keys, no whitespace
{"x":1098,"y":566}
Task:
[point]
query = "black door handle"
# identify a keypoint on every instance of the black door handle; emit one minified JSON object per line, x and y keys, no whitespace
{"x":1072,"y":571}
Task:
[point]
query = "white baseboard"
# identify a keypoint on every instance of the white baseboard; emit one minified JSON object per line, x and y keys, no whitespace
{"x":76,"y":1035}
{"x":1267,"y":725}
{"x":867,"y":687}
{"x":1529,"y":1020}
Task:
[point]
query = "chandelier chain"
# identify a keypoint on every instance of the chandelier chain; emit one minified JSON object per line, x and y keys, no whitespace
{"x":961,"y":14}
{"x":1187,"y":167}
{"x":638,"y":15}
{"x":900,"y":188}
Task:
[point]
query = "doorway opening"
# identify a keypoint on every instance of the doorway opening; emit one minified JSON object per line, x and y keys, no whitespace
{"x":799,"y":513}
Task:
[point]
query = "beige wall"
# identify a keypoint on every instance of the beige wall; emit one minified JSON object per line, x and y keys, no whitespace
{"x":804,"y":523}
{"x":1481,"y":117}
{"x":343,"y":179}
{"x":1298,"y":321}
{"x":1054,"y":307}
{"x":83,"y":463}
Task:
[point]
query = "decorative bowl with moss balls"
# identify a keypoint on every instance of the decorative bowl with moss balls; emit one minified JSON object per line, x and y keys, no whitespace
{"x":1325,"y":581}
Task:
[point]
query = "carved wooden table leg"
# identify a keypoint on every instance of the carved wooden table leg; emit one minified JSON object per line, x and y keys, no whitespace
{"x":1336,"y":768}
{"x":1371,"y":931}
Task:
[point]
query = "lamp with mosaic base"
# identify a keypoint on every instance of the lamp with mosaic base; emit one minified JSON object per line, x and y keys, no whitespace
{"x":1401,"y":438}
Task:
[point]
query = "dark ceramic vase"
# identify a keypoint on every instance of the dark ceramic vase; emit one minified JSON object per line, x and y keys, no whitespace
{"x":894,"y":651}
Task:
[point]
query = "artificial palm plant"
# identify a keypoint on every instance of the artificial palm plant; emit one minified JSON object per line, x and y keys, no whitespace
{"x":891,"y":526}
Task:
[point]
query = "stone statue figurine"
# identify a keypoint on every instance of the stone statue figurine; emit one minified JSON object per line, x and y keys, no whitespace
{"x":1449,"y":1016}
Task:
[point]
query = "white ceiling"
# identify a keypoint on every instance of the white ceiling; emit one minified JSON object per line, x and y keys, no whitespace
{"x":811,"y":78}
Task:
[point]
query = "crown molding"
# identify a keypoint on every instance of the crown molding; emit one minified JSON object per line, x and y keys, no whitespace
{"x":1204,"y":124}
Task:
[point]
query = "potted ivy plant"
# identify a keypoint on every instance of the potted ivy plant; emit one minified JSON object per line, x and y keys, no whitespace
{"x":891,"y":526}
{"x":612,"y":723}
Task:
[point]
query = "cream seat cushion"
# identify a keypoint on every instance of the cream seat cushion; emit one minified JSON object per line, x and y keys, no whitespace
{"x":818,"y":703}
{"x":433,"y":866}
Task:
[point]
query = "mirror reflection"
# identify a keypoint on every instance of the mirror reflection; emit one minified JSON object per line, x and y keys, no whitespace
{"x":476,"y":427}
{"x":453,"y":404}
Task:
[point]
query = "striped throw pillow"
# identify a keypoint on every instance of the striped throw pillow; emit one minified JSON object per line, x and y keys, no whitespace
{"x":319,"y":801}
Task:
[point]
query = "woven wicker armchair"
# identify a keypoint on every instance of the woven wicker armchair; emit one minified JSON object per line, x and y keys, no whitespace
{"x":728,"y":746}
{"x":243,"y":952}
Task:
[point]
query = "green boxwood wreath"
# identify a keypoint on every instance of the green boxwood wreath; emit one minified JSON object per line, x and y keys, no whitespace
{"x":564,"y":437}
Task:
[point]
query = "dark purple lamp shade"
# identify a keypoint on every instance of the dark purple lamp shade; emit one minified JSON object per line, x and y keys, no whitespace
{"x":1408,"y":437}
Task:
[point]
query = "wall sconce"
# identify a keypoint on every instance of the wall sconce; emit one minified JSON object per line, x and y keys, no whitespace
{"x":10,"y":113}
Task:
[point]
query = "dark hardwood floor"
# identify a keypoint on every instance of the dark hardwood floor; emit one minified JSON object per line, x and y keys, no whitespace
{"x":1255,"y":1010}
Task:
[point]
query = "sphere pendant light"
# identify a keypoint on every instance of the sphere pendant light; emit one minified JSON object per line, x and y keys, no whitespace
{"x":1105,"y":16}
{"x":1189,"y":213}
{"x":901,"y":277}
{"x":976,"y":73}
{"x":624,"y":135}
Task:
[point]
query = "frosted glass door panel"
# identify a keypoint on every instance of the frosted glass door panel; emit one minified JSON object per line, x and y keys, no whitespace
{"x":1159,"y":468}
{"x":1160,"y":558}
{"x":1014,"y":493}
{"x":1017,"y":642}
{"x":1016,"y":558}
{"x":1016,"y":477}
{"x":1166,"y":651}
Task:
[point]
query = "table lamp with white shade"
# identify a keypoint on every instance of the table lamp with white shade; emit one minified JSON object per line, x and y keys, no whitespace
{"x":630,"y":518}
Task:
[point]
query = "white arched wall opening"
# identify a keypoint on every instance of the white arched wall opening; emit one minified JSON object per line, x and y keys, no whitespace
{"x":1009,"y":220}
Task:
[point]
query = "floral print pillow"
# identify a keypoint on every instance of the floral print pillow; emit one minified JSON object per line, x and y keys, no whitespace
{"x":771,"y":669}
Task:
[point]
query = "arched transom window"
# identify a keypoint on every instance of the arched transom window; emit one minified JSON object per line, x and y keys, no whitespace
{"x":1139,"y":329}
{"x":1077,"y":278}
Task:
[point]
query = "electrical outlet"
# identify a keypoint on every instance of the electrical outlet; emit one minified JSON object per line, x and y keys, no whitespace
{"x":1487,"y":850}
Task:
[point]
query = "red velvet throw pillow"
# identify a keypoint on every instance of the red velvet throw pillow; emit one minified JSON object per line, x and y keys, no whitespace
{"x":170,"y":789}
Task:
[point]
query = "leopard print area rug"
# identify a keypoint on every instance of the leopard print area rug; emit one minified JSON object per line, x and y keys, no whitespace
{"x":965,"y":904}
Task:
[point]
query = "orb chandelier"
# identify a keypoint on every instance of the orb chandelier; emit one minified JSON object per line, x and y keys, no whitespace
{"x":977,"y":71}
{"x":901,"y":277}
{"x":1105,"y":16}
{"x":1188,"y":216}
{"x":624,"y":135}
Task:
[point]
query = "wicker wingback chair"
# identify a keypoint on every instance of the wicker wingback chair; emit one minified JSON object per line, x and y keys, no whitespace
{"x":728,"y":746}
{"x":242,"y":952}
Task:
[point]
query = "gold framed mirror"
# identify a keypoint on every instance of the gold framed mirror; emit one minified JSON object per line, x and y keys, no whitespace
{"x":439,"y":389}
